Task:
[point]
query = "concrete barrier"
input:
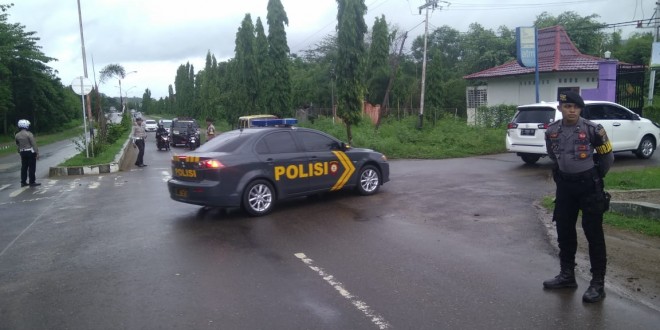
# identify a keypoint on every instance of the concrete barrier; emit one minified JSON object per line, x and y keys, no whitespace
{"x":118,"y":164}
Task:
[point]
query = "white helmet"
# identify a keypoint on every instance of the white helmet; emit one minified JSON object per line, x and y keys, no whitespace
{"x":24,"y":123}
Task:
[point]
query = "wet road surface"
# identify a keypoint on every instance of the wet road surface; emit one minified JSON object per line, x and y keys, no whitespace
{"x":446,"y":244}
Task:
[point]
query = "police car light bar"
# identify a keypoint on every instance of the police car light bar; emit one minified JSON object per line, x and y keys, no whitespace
{"x":274,"y":122}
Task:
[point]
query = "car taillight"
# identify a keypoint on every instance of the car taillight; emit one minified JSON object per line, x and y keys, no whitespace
{"x":512,"y":125}
{"x":211,"y":163}
{"x":543,"y":126}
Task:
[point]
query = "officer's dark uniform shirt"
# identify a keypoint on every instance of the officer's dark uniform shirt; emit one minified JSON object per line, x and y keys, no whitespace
{"x":572,"y":147}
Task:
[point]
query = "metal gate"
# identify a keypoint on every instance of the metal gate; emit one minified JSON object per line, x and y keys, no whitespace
{"x":630,"y":86}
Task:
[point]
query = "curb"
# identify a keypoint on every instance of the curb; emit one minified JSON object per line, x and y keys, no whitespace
{"x":648,"y":210}
{"x":115,"y":166}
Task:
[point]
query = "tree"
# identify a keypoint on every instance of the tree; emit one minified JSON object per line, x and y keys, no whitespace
{"x":351,"y":29}
{"x":248,"y":74}
{"x":28,"y":86}
{"x":263,"y":64}
{"x":636,"y":50}
{"x":184,"y":83}
{"x":278,"y":51}
{"x":114,"y":71}
{"x":377,"y":74}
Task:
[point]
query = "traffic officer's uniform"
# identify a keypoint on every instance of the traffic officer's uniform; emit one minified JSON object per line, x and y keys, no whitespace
{"x":210,"y":130}
{"x":582,"y":155}
{"x":27,"y":148}
{"x":139,"y":135}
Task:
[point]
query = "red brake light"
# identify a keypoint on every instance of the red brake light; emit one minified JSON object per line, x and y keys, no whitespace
{"x":211,"y":163}
{"x":543,"y":126}
{"x":512,"y":125}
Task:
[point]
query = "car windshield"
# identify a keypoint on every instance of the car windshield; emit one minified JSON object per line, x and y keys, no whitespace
{"x":166,"y":124}
{"x":535,"y":115}
{"x":150,"y":122}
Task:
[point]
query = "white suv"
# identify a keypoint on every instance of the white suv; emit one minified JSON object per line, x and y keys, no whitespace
{"x":627,"y":131}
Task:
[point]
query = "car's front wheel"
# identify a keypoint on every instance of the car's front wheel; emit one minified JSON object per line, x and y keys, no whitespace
{"x":530,"y":159}
{"x":646,"y":148}
{"x":369,"y":180}
{"x":258,"y":198}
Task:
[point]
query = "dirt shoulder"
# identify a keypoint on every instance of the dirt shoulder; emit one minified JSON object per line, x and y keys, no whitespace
{"x":633,"y":262}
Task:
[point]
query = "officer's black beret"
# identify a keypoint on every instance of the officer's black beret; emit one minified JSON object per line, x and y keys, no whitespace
{"x":571,"y":97}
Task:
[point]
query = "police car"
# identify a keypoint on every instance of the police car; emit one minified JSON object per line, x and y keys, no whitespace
{"x":256,"y":167}
{"x":627,"y":130}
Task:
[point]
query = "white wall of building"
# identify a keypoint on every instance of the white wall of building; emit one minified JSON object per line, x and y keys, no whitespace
{"x":517,"y":90}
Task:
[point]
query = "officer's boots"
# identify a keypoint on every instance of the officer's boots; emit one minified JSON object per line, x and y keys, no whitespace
{"x":596,"y":290}
{"x":565,"y":279}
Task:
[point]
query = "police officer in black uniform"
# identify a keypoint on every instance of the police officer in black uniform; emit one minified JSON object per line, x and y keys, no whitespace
{"x":582,"y":155}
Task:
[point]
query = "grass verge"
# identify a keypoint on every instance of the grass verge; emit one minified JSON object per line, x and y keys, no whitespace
{"x":105,"y":157}
{"x":642,"y":225}
{"x":8,"y":145}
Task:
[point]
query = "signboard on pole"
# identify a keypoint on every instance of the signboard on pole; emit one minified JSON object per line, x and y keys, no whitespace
{"x":81,"y":85}
{"x":655,"y":55}
{"x":526,"y":46}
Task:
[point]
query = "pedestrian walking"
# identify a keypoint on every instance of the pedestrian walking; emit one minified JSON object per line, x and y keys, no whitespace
{"x":27,"y":148}
{"x":210,"y":129}
{"x":582,"y":155}
{"x":139,"y":135}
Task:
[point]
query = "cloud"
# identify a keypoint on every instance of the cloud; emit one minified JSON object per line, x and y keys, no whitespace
{"x":155,"y":37}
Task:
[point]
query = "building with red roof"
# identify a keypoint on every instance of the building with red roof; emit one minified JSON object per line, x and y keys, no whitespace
{"x":561,"y":67}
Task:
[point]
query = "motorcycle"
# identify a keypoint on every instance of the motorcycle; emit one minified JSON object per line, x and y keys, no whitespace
{"x":163,"y":141}
{"x":193,"y":142}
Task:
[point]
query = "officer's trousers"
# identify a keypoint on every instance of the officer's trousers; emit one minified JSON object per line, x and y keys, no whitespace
{"x":28,"y":166}
{"x":570,"y":196}
{"x":140,"y":145}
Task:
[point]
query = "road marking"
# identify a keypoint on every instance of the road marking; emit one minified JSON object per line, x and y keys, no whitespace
{"x":376,"y":319}
{"x":17,"y":192}
{"x":94,"y":185}
{"x":5,"y":186}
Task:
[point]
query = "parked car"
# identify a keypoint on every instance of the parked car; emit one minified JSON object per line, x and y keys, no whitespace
{"x":256,"y":167}
{"x":179,"y":130}
{"x":627,"y":130}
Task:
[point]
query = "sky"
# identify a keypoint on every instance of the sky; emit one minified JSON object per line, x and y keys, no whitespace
{"x":154,"y":37}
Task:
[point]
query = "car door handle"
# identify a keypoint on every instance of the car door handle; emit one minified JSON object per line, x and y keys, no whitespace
{"x":616,"y":124}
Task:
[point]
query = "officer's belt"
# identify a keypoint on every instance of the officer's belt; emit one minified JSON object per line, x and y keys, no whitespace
{"x":586,"y":175}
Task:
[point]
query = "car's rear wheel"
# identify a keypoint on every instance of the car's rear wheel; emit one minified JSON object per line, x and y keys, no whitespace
{"x":258,"y":198}
{"x":530,"y":158}
{"x":369,"y":180}
{"x":646,"y":148}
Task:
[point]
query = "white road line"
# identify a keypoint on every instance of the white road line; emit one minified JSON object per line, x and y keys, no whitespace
{"x":4,"y":186}
{"x":17,"y":192}
{"x":94,"y":185}
{"x":376,"y":319}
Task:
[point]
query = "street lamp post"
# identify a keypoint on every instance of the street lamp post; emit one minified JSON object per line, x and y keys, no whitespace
{"x":121,"y":99}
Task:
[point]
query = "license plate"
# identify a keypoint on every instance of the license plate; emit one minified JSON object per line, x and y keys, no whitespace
{"x":184,"y":172}
{"x":527,"y":131}
{"x":182,"y":192}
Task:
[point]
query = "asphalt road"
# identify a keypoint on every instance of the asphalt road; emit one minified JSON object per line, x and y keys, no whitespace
{"x":446,"y":244}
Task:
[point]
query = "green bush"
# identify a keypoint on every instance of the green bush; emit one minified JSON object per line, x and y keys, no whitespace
{"x":652,"y":112}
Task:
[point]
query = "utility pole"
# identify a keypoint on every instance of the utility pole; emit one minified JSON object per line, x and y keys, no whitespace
{"x":430,"y":4}
{"x":656,"y":25}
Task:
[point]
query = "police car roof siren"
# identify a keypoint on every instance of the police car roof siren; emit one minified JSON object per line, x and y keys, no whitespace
{"x":274,"y":122}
